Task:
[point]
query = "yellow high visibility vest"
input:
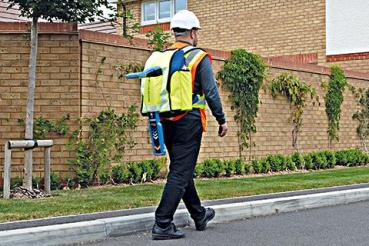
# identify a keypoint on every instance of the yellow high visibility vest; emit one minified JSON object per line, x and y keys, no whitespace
{"x":172,"y":92}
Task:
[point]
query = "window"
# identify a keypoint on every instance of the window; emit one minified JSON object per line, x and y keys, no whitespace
{"x":179,"y":5}
{"x":149,"y":10}
{"x":161,"y":10}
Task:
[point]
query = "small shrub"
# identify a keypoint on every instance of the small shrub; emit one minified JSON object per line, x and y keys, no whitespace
{"x":55,"y":181}
{"x":341,"y":157}
{"x":248,"y":168}
{"x":135,"y":171}
{"x":68,"y":181}
{"x":213,"y":168}
{"x":156,"y":167}
{"x":298,"y":159}
{"x":276,"y":162}
{"x":229,"y":167}
{"x":220,"y":166}
{"x":16,"y":182}
{"x":147,"y":170}
{"x":208,"y":168}
{"x":273,"y":163}
{"x":83,"y":177}
{"x":257,"y":166}
{"x":308,"y":161}
{"x":361,"y":157}
{"x":120,"y":174}
{"x":266,"y":168}
{"x":199,"y":170}
{"x":351,"y":157}
{"x":319,"y":160}
{"x":239,"y":167}
{"x":331,"y":158}
{"x":366,"y":158}
{"x":104,"y":177}
{"x":290,"y":164}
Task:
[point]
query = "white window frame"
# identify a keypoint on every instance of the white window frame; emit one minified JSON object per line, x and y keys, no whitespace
{"x":157,"y":20}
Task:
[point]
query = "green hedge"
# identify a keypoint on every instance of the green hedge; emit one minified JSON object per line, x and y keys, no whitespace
{"x":276,"y":163}
{"x":146,"y":171}
{"x":132,"y":172}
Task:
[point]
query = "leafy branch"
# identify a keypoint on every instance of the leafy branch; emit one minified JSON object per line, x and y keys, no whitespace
{"x":43,"y":127}
{"x":158,"y":39}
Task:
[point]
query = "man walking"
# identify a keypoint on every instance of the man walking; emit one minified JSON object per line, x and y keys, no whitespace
{"x":183,"y":133}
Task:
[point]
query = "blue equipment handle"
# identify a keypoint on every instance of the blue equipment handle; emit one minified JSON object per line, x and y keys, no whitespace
{"x":156,"y":133}
{"x":150,"y":72}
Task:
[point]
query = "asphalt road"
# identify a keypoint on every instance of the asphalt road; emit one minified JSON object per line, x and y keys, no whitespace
{"x":345,"y":225}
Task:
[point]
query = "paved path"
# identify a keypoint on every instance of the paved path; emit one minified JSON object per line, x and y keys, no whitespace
{"x":346,"y":225}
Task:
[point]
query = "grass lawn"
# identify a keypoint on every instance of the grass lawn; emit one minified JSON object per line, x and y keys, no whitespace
{"x":98,"y":199}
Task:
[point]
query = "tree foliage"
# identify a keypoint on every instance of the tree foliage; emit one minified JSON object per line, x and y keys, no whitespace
{"x":65,"y":10}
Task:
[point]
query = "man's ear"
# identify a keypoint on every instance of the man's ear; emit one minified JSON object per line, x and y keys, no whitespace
{"x":192,"y":34}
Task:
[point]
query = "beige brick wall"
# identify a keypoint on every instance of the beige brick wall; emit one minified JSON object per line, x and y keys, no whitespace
{"x":357,"y":65}
{"x":66,"y":85}
{"x":56,"y":94}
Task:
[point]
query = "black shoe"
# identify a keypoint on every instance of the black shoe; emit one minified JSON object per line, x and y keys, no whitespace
{"x":201,"y":224}
{"x":171,"y":232}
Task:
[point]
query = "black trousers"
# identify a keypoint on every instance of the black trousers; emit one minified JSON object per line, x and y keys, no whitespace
{"x":182,"y":140}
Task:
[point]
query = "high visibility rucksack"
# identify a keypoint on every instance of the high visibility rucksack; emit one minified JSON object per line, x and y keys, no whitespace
{"x":172,"y":90}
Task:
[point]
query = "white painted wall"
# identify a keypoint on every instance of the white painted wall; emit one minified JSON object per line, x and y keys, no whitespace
{"x":347,"y":26}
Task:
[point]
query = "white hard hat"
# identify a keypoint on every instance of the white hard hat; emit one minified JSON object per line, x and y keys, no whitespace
{"x":185,"y":19}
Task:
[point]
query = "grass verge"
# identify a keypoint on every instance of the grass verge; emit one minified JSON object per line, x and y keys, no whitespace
{"x":124,"y":197}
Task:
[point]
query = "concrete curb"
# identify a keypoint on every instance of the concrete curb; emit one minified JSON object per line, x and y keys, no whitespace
{"x":58,"y":220}
{"x":101,"y":229}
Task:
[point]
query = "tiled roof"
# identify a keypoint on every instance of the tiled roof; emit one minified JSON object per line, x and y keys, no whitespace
{"x":105,"y":27}
{"x":9,"y":15}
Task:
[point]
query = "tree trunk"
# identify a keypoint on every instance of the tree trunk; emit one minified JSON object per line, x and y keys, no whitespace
{"x":124,"y":16}
{"x":27,"y":181}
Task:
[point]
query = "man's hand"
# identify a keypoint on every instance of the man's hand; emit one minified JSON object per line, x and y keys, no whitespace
{"x":223,"y":129}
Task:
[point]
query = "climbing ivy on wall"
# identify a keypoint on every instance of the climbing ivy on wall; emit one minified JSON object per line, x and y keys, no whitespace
{"x":243,"y":75}
{"x":297,"y":93}
{"x":333,"y":101}
{"x":362,"y":116}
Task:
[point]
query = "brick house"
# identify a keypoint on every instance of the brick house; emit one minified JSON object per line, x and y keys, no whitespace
{"x":314,"y":31}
